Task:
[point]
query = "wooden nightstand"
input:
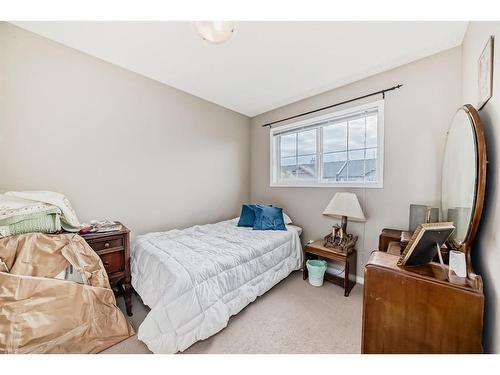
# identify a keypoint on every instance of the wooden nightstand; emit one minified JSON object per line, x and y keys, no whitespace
{"x":114,"y":250}
{"x":317,"y":250}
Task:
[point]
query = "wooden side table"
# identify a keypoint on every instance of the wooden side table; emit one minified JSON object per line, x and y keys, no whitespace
{"x":387,"y":236}
{"x":317,"y":250}
{"x":114,"y":250}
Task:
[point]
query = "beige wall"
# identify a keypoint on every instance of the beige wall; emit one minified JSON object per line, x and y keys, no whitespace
{"x":416,"y":120}
{"x":486,"y":251}
{"x":119,"y":145}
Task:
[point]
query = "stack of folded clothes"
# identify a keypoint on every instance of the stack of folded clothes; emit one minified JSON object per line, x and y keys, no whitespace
{"x":36,"y":211}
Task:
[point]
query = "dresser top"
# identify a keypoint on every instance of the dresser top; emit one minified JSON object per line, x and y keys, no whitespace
{"x":432,"y":271}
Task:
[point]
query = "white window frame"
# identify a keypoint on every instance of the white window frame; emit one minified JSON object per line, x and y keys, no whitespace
{"x":273,"y":154}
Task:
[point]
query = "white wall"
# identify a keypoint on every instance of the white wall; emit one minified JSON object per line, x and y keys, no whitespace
{"x":119,"y":145}
{"x":417,"y":117}
{"x":486,"y":250}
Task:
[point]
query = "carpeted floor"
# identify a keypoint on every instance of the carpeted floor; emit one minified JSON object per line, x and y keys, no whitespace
{"x":293,"y":317}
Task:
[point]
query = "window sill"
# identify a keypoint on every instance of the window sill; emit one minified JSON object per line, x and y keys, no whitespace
{"x":329,"y":185}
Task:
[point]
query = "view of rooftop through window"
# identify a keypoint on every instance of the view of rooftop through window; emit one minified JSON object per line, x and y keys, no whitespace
{"x":333,"y":150}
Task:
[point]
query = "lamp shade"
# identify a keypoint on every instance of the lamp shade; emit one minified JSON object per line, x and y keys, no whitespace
{"x":345,"y":204}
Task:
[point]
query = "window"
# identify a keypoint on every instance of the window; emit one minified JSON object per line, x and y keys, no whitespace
{"x":344,"y":148}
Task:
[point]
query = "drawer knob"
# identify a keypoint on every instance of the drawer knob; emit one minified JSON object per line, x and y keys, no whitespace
{"x":106,"y":263}
{"x":106,"y":244}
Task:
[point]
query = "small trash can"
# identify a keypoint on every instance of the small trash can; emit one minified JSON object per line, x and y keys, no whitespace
{"x":316,"y":270}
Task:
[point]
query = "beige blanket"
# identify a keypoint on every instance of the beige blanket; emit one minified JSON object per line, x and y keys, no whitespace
{"x":40,"y":314}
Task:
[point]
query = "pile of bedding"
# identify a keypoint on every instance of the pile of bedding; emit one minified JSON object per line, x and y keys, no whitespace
{"x":195,"y":279}
{"x":40,"y":314}
{"x":55,"y":295}
{"x":36,"y":211}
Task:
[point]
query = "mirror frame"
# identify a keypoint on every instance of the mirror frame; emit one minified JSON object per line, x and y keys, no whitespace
{"x":480,"y":182}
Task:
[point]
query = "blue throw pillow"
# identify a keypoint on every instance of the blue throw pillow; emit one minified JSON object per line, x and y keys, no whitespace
{"x":247,"y":216}
{"x":258,"y":221}
{"x":268,"y":218}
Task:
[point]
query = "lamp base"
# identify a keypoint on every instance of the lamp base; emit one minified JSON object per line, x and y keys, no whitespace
{"x":339,"y":239}
{"x":344,"y":224}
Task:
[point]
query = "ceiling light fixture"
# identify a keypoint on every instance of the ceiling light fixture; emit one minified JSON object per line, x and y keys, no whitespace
{"x":215,"y":32}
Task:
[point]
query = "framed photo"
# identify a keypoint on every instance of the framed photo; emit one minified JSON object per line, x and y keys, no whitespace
{"x":485,"y":76}
{"x":425,"y":243}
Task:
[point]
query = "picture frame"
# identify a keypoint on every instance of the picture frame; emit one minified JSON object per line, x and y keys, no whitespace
{"x":425,"y":243}
{"x":485,"y":73}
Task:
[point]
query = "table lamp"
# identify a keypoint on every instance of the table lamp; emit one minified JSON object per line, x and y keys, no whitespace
{"x":344,"y":206}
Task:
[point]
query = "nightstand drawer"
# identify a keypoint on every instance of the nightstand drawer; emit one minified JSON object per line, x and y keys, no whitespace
{"x":114,"y":244}
{"x":114,"y":262}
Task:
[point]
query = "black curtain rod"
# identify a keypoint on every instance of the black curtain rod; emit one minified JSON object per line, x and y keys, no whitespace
{"x":336,"y":104}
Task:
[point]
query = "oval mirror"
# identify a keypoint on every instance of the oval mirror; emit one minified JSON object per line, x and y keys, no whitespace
{"x":464,"y":177}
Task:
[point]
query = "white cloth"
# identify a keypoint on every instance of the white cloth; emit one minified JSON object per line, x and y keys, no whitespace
{"x":11,"y":206}
{"x":195,"y":279}
{"x":38,"y":199}
{"x":14,"y":210}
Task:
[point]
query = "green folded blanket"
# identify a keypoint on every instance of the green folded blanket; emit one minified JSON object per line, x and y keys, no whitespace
{"x":42,"y":222}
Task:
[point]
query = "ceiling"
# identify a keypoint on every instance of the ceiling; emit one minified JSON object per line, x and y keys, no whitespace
{"x":266,"y":64}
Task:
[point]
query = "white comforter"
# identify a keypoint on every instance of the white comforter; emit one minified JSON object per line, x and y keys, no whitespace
{"x":195,"y":279}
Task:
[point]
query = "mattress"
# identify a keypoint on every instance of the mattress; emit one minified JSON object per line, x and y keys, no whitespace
{"x":295,"y":227}
{"x":195,"y":279}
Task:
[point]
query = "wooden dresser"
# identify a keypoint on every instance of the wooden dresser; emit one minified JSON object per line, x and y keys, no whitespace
{"x":114,"y":250}
{"x":415,"y":310}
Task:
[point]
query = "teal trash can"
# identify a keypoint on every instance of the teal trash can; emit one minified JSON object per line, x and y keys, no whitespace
{"x":316,"y":270}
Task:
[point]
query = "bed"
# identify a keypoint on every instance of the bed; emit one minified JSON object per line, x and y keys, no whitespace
{"x":195,"y":279}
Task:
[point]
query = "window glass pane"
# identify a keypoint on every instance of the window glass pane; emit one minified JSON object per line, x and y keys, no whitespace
{"x":351,"y":136}
{"x":288,"y":172}
{"x":307,"y":170}
{"x":307,"y":167}
{"x":356,"y":134}
{"x":289,"y":161}
{"x":371,"y":170}
{"x":371,"y":131}
{"x":308,"y":159}
{"x":288,"y":145}
{"x":307,"y":142}
{"x":356,"y":165}
{"x":304,"y":170}
{"x":335,"y":156}
{"x":288,"y":168}
{"x":371,"y":165}
{"x":334,"y":166}
{"x":335,"y":137}
{"x":371,"y":153}
{"x":357,"y":154}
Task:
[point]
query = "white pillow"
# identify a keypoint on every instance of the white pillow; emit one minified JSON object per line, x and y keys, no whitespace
{"x":287,"y":219}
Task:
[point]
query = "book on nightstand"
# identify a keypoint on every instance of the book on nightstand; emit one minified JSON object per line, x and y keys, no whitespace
{"x":101,"y":226}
